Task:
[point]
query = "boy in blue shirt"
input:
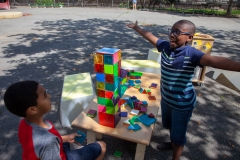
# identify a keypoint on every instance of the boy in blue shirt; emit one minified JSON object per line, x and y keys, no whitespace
{"x":178,"y":61}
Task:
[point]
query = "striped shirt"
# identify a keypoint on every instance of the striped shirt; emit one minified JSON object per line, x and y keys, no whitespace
{"x":177,"y":70}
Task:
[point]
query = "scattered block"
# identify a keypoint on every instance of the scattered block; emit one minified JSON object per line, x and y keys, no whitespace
{"x":130,"y":81}
{"x":80,"y":139}
{"x":134,"y":73}
{"x":144,"y":103}
{"x":135,"y":118}
{"x":138,"y":81}
{"x":117,"y":154}
{"x":132,"y":122}
{"x":144,"y":119}
{"x":123,"y":114}
{"x":152,"y":98}
{"x":131,"y":84}
{"x":123,"y":105}
{"x":134,"y":112}
{"x":126,"y":122}
{"x":92,"y":113}
{"x":130,"y":127}
{"x":153,"y":85}
{"x":137,"y":86}
{"x":134,"y":77}
{"x":142,"y":90}
{"x":137,"y":105}
{"x":151,"y":115}
{"x":133,"y":97}
{"x":143,"y":110}
{"x":136,"y":127}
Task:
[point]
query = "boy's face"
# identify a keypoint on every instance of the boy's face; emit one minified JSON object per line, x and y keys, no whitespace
{"x":43,"y":101}
{"x":179,"y":35}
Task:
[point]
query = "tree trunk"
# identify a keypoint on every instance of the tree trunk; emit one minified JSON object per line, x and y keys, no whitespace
{"x":229,"y":9}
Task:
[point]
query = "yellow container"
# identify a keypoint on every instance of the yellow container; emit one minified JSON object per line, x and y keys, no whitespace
{"x":203,"y":42}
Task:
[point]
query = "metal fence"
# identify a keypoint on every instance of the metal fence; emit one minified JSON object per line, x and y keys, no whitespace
{"x":148,"y":4}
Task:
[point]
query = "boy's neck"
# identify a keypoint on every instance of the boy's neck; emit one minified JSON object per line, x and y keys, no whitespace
{"x":38,"y":120}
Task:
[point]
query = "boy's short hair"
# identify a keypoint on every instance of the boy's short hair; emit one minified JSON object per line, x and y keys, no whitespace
{"x":191,"y":25}
{"x":20,"y":96}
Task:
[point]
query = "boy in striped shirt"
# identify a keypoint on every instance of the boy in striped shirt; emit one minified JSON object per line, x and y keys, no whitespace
{"x":178,"y":61}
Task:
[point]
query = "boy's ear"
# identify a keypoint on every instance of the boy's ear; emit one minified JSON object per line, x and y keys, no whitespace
{"x":190,"y":38}
{"x":32,"y":110}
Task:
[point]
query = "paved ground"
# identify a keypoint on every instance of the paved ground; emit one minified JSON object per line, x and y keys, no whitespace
{"x":54,"y":42}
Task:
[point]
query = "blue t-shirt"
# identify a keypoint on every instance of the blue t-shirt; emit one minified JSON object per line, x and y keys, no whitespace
{"x":177,"y":70}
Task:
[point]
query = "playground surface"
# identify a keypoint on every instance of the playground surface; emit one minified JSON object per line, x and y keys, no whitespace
{"x":50,"y":43}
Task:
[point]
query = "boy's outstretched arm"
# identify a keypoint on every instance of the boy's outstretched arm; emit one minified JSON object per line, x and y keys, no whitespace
{"x":146,"y":34}
{"x":220,"y":63}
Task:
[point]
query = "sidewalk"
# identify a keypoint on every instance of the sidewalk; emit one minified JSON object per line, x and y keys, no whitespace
{"x":53,"y":42}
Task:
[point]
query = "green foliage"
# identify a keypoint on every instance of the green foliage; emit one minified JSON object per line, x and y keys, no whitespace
{"x":171,"y":1}
{"x":42,"y":2}
{"x":235,"y":12}
{"x":199,"y":11}
{"x":60,"y":3}
{"x":123,"y":5}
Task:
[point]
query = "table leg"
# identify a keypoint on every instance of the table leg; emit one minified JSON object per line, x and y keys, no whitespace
{"x":140,"y":151}
{"x":98,"y":135}
{"x":91,"y":137}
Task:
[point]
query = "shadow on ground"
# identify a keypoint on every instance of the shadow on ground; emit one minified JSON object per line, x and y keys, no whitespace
{"x":66,"y":48}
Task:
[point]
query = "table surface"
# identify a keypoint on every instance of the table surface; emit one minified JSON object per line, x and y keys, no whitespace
{"x":142,"y":136}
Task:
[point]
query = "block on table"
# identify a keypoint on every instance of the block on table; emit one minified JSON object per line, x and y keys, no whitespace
{"x":134,"y":112}
{"x":92,"y":113}
{"x":77,"y":93}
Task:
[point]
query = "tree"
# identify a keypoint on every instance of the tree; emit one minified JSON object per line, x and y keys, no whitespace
{"x":229,"y":9}
{"x":171,"y":1}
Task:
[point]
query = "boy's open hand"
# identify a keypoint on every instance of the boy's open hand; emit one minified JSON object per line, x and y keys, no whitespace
{"x":132,"y":25}
{"x":72,"y":136}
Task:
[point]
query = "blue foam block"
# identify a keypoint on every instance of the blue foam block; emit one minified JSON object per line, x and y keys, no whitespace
{"x":144,"y":119}
{"x":130,"y":127}
{"x":123,"y":114}
{"x":136,"y":127}
{"x":80,"y":139}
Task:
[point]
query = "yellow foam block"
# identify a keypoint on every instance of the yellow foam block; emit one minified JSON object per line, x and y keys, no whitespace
{"x":141,"y":65}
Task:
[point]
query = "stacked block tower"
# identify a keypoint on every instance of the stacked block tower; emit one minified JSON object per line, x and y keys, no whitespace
{"x":110,"y":79}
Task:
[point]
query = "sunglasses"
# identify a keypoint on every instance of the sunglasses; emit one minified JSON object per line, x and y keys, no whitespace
{"x":177,"y":32}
